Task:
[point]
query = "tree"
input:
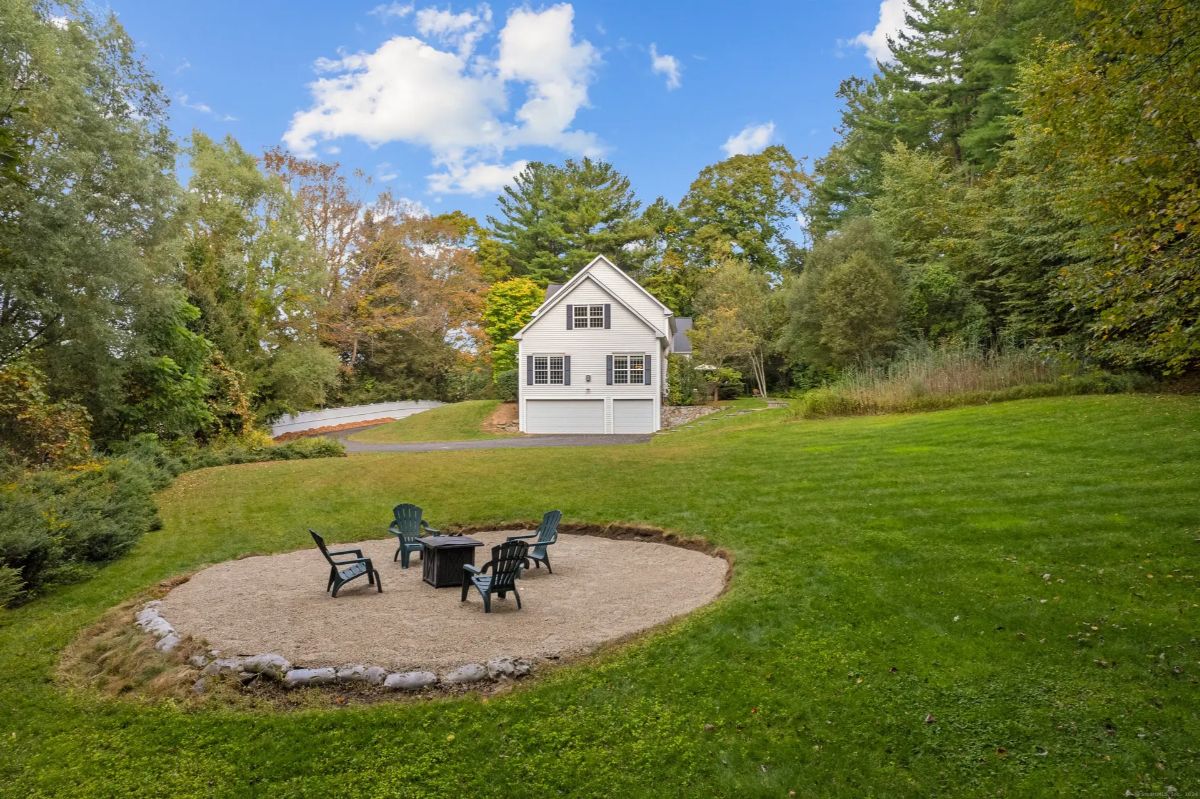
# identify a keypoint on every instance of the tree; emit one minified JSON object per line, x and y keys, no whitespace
{"x":928,"y":213}
{"x":411,"y":307}
{"x":1107,"y":140}
{"x":508,"y":307}
{"x":555,"y":219}
{"x":249,"y":268}
{"x":844,"y":307}
{"x":948,"y":91}
{"x":327,"y":208}
{"x":738,"y":319}
{"x":739,"y":207}
{"x":88,"y":196}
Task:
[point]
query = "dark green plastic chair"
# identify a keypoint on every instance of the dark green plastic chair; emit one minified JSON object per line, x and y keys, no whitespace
{"x":507,"y":561}
{"x":547,"y":534}
{"x":343,"y":571}
{"x":408,"y":527}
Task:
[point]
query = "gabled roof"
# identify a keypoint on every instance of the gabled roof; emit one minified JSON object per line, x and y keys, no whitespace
{"x":577,"y":281}
{"x":630,"y":280}
{"x":551,"y":288}
{"x":570,"y":284}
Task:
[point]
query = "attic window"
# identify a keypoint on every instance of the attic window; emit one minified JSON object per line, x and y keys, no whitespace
{"x":588,"y":316}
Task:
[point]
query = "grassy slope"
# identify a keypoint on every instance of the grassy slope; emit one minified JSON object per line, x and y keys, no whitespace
{"x":887,"y":568}
{"x":458,"y":422}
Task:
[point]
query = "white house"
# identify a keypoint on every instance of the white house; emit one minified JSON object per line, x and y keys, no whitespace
{"x":594,"y":357}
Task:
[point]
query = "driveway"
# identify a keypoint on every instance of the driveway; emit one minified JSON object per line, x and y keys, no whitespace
{"x":492,"y":443}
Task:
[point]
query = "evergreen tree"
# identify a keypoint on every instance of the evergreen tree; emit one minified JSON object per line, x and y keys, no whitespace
{"x":555,"y":219}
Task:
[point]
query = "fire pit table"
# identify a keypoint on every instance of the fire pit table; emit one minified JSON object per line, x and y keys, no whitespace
{"x":443,"y":558}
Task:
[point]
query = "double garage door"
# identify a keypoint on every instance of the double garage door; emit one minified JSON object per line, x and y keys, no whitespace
{"x":587,"y":416}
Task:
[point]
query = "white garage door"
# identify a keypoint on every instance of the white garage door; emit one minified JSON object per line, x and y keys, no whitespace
{"x":633,"y":416}
{"x":564,"y":416}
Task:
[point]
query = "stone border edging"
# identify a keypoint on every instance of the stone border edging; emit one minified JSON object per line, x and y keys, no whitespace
{"x":279,"y":669}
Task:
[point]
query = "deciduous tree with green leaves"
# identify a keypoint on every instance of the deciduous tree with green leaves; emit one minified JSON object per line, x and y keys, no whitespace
{"x":508,"y":307}
{"x":738,"y":319}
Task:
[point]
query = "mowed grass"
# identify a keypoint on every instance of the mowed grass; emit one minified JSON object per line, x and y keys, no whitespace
{"x":461,"y":421}
{"x":990,"y":601}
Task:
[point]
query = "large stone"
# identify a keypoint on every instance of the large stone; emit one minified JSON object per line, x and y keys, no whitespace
{"x":198,"y":661}
{"x":522,"y":667}
{"x":352,"y":674}
{"x":269,"y":665}
{"x":409,"y":680}
{"x":224,"y":666}
{"x":299,"y":677}
{"x":376,"y":675}
{"x":167,"y":643}
{"x":472,"y":672}
{"x":500,"y":667}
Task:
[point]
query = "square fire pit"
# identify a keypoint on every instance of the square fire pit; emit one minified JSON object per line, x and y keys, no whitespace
{"x":443,"y":558}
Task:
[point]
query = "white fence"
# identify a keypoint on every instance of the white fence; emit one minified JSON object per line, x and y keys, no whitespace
{"x":329,"y":417}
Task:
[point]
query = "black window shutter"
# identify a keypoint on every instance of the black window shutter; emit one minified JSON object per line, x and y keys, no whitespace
{"x":566,"y":370}
{"x":570,"y":317}
{"x":607,"y":315}
{"x":610,"y":370}
{"x":646,"y":370}
{"x":529,"y":370}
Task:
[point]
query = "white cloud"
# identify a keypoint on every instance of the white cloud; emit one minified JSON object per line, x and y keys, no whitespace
{"x":391,"y":10}
{"x":456,"y":103}
{"x":476,"y":179}
{"x":891,"y":23}
{"x":203,"y":108}
{"x":749,"y":139}
{"x":667,"y":66}
{"x":461,"y":31}
{"x":538,"y":48}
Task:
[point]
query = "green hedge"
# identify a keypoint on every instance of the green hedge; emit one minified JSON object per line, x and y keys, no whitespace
{"x":57,"y":525}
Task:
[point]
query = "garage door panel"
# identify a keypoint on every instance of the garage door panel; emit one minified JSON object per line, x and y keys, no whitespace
{"x":633,"y":416}
{"x":564,"y":416}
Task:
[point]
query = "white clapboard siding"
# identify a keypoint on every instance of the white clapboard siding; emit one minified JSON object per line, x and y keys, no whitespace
{"x":589,"y":348}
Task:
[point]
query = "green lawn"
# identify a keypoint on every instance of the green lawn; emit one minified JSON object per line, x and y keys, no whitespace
{"x":457,"y":422}
{"x":1022,"y":574}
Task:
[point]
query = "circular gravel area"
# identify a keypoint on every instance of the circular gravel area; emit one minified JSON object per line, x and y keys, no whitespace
{"x":602,"y":589}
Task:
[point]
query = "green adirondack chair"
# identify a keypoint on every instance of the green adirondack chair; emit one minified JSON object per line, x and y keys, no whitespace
{"x":547,"y":534}
{"x":507,"y":561}
{"x":408,"y":527}
{"x":343,"y":571}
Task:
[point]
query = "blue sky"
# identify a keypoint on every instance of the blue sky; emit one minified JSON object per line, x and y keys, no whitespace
{"x":441,"y":103}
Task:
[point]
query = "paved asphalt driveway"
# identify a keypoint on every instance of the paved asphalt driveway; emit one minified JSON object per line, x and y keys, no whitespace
{"x":492,"y":443}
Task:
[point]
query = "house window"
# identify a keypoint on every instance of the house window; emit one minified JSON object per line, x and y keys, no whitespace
{"x":588,"y":316}
{"x":548,"y":370}
{"x":629,"y":369}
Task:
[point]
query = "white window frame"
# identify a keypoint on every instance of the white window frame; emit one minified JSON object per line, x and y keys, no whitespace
{"x":624,"y":369}
{"x":549,"y":370}
{"x":587,"y":316}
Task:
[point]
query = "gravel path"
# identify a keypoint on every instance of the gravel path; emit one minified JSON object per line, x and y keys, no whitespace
{"x":493,"y":443}
{"x":601,"y":589}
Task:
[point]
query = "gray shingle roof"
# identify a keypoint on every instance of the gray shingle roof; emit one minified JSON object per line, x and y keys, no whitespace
{"x":680,"y":343}
{"x":551,"y":290}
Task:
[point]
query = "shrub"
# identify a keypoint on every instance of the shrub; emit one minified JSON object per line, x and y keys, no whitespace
{"x":57,"y":524}
{"x":507,"y":384}
{"x":686,"y":385}
{"x":10,"y":585}
{"x":951,"y":375}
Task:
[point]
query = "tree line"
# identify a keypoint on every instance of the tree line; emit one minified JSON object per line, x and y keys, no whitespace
{"x":1020,"y":173}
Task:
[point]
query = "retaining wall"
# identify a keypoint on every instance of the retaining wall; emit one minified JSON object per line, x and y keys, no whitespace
{"x":329,"y":417}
